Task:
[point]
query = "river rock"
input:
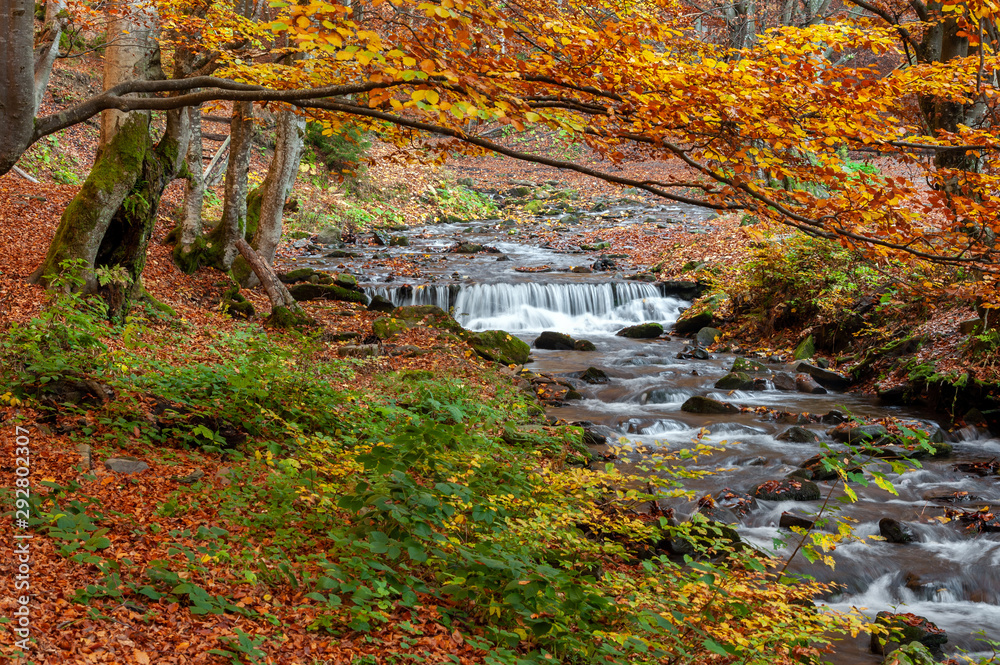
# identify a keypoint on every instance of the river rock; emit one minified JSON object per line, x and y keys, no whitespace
{"x":894,"y":531}
{"x":399,"y":241}
{"x":650,"y":330}
{"x":380,"y":304}
{"x":749,"y":366}
{"x":789,"y":520}
{"x":783,"y":381}
{"x":787,"y":490}
{"x":604,"y":263}
{"x":584,"y":345}
{"x":825,"y":377}
{"x":913,"y":653}
{"x":819,"y":471}
{"x":125,"y":465}
{"x":906,"y":628}
{"x":805,"y":349}
{"x":701,"y":404}
{"x":694,"y":323}
{"x":851,"y":433}
{"x":708,"y":336}
{"x":554,"y":341}
{"x":798,"y":434}
{"x":740,"y":503}
{"x":500,"y":346}
{"x":310,"y":291}
{"x":735,"y":381}
{"x":805,"y":384}
{"x":328,"y":235}
{"x":594,"y":376}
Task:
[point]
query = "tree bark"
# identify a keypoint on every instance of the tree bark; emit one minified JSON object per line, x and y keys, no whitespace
{"x":280,"y":177}
{"x":17,"y":80}
{"x":48,"y":47}
{"x":221,"y":243}
{"x":191,"y":241}
{"x":132,"y":54}
{"x":277,"y":293}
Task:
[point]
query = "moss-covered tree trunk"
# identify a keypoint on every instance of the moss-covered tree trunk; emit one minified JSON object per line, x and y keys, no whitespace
{"x":220,"y":245}
{"x":266,"y":204}
{"x":191,"y":242}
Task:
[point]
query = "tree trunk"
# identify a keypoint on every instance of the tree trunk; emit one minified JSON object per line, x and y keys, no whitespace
{"x":285,"y":311}
{"x":188,"y":249}
{"x":48,"y":47}
{"x":132,"y":54}
{"x":17,"y":80}
{"x":279,"y":180}
{"x":221,"y":243}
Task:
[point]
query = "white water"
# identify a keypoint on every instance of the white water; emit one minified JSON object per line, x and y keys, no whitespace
{"x":566,"y":308}
{"x":416,"y":295}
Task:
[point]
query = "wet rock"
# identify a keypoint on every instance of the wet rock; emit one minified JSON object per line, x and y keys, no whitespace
{"x":554,"y":341}
{"x":826,"y":378}
{"x":649,"y":330}
{"x":573,"y":395}
{"x":907,"y":628}
{"x":328,"y":235}
{"x":594,"y":376}
{"x":814,"y":465}
{"x":952,"y":497}
{"x":584,"y":270}
{"x":584,"y":345}
{"x":310,"y":291}
{"x":472,"y":248}
{"x":708,"y":336}
{"x":982,"y":469}
{"x":805,"y":384}
{"x":380,"y":304}
{"x":851,"y":433}
{"x":500,"y":346}
{"x":701,"y":404}
{"x":787,"y":490}
{"x":642,"y":277}
{"x":913,"y":653}
{"x":833,"y":418}
{"x":805,"y":349}
{"x":346,"y":281}
{"x":740,"y":503}
{"x":399,"y":241}
{"x":604,"y":264}
{"x":340,"y":254}
{"x":503,"y":257}
{"x":798,"y":434}
{"x":685,"y":325}
{"x":749,"y":366}
{"x":894,"y":531}
{"x":783,"y":381}
{"x":380,"y":239}
{"x":789,"y":520}
{"x":125,"y":465}
{"x":735,"y":381}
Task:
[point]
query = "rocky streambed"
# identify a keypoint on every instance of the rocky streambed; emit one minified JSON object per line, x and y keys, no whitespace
{"x":602,"y":353}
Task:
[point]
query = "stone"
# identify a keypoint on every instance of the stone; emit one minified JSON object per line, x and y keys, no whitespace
{"x":358,"y":351}
{"x":190,"y":478}
{"x":685,"y":325}
{"x":584,"y":345}
{"x":783,"y":381}
{"x":907,"y":628}
{"x":584,"y":270}
{"x":805,"y":349}
{"x":603,"y":264}
{"x":309,"y":291}
{"x":328,"y":235}
{"x":708,"y":336}
{"x":826,"y":378}
{"x":735,"y":381}
{"x":701,"y":404}
{"x":894,"y":531}
{"x":500,"y":346}
{"x":125,"y":465}
{"x":749,"y":366}
{"x":913,"y":653}
{"x":399,"y":241}
{"x":787,"y":489}
{"x":300,"y":275}
{"x":380,"y":304}
{"x":740,"y":504}
{"x":798,"y":434}
{"x":851,"y":433}
{"x":789,"y":520}
{"x":86,"y":458}
{"x":554,"y":341}
{"x":346,"y":281}
{"x":649,"y":330}
{"x":595,"y":376}
{"x":805,"y":384}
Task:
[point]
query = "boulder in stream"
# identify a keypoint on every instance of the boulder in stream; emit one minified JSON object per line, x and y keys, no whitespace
{"x":789,"y":520}
{"x":907,"y":628}
{"x":649,"y":330}
{"x":852,"y":433}
{"x":310,"y":291}
{"x":748,"y":365}
{"x":701,"y":404}
{"x":594,"y":375}
{"x":554,"y":341}
{"x":798,"y":434}
{"x":783,"y":381}
{"x":806,"y":384}
{"x":893,"y":531}
{"x":736,"y":381}
{"x":380,"y":304}
{"x":584,"y":345}
{"x":787,"y":489}
{"x":708,"y":336}
{"x":825,"y":377}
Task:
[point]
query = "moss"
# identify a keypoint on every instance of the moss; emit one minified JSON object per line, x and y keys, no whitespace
{"x":174,"y":236}
{"x":190,"y":259}
{"x":300,"y":275}
{"x":255,"y":200}
{"x":430,"y":316}
{"x":387,"y":328}
{"x":310,"y":291}
{"x":283,"y":317}
{"x":500,"y":346}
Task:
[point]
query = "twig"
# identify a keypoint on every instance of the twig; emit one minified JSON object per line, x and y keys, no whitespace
{"x":21,"y":172}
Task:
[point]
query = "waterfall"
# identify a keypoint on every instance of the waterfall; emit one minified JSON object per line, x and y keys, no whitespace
{"x":566,"y":308}
{"x":424,"y":294}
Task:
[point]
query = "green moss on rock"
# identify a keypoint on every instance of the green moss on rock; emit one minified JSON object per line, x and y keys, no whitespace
{"x":500,"y":346}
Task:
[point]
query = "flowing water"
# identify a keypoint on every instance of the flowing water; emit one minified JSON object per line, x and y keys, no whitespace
{"x":946,"y":576}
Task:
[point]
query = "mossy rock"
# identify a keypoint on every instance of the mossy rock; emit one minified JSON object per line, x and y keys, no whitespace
{"x":309,"y":291}
{"x":649,"y":330}
{"x":346,"y":281}
{"x":594,"y":375}
{"x":295,"y":276}
{"x":735,"y":381}
{"x":380,"y":304}
{"x":806,"y":349}
{"x":500,"y":346}
{"x":283,"y":317}
{"x":708,"y":336}
{"x":701,"y":404}
{"x":430,"y":316}
{"x":416,"y":375}
{"x":693,"y":323}
{"x":554,"y":341}
{"x":387,"y":328}
{"x":399,"y":241}
{"x":749,"y":366}
{"x":584,"y":345}
{"x":788,"y":489}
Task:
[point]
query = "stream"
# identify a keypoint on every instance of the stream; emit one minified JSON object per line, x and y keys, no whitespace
{"x":946,"y":575}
